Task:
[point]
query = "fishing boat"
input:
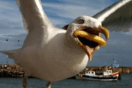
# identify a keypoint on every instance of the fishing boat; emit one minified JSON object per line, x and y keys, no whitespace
{"x":107,"y":75}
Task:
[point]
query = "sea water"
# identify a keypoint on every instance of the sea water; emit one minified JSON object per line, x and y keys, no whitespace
{"x":125,"y":82}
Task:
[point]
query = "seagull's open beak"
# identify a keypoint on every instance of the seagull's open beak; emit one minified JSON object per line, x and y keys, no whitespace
{"x":89,"y":39}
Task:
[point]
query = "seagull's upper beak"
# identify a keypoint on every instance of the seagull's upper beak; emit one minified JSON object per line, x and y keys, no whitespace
{"x":89,"y":39}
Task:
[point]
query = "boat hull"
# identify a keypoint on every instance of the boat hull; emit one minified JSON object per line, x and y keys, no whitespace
{"x":101,"y":78}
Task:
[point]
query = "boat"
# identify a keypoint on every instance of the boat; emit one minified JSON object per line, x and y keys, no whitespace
{"x":107,"y":75}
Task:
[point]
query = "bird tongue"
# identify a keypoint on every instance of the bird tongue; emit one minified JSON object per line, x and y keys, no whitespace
{"x":89,"y":51}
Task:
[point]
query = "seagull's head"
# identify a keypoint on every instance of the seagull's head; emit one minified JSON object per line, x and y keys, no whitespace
{"x":86,"y":32}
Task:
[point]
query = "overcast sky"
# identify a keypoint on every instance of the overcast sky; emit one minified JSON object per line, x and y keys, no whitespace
{"x":62,"y":12}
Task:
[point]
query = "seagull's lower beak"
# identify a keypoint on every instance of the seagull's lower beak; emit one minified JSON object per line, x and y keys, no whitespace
{"x":89,"y":39}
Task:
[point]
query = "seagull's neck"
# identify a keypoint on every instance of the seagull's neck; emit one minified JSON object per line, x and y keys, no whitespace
{"x":73,"y":46}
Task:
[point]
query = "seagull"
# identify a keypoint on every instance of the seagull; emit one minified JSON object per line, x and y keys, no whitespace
{"x":54,"y":54}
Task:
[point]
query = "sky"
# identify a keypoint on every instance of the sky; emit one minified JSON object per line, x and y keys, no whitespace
{"x":60,"y":13}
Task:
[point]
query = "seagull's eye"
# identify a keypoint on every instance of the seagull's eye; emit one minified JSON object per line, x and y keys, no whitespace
{"x":80,"y":21}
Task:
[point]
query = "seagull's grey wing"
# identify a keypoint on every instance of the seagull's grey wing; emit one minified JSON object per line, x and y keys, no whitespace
{"x":117,"y":17}
{"x":33,"y":15}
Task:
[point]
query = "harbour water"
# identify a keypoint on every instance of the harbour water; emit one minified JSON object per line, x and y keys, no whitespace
{"x":125,"y":82}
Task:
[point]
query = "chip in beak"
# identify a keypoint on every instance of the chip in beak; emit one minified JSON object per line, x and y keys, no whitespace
{"x":89,"y":39}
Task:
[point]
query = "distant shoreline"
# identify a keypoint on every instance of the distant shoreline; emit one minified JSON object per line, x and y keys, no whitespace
{"x":15,"y":71}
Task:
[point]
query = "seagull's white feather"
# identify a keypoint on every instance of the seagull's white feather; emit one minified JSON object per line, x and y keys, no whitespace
{"x":12,"y":53}
{"x":117,"y":17}
{"x":34,"y":17}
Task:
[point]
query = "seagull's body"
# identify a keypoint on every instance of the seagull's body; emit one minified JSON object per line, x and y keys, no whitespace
{"x":53,"y":54}
{"x":51,"y":60}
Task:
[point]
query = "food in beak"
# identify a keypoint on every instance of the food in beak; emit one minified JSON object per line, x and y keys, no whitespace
{"x":89,"y":39}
